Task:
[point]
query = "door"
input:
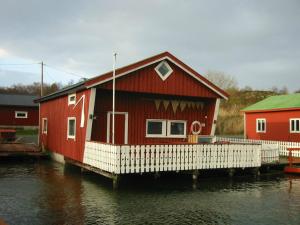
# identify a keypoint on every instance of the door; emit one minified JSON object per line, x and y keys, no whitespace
{"x":121,"y":128}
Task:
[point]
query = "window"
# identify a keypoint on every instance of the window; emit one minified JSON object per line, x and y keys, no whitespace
{"x":72,"y":99}
{"x":71,"y":127}
{"x":44,"y":125}
{"x":177,"y":128}
{"x":165,"y":128}
{"x":155,"y":128}
{"x":295,"y":125}
{"x":163,"y":70}
{"x":21,"y":114}
{"x":260,"y":125}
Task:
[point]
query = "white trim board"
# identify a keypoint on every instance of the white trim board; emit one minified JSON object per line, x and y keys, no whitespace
{"x":216,"y":112}
{"x":155,"y":61}
{"x":89,"y":125}
{"x":125,"y":127}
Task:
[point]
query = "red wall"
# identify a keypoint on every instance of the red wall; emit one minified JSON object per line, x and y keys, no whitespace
{"x":57,"y":111}
{"x":146,"y":80}
{"x":277,"y":126}
{"x":7,"y":116}
{"x":141,"y":107}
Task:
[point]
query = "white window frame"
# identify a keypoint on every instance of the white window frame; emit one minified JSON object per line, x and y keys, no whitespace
{"x":261,"y":120}
{"x":176,"y":135}
{"x":163,"y":135}
{"x":44,"y":131}
{"x":71,"y":136}
{"x":292,"y":120}
{"x":21,"y":117}
{"x":72,"y":102}
{"x":168,"y":74}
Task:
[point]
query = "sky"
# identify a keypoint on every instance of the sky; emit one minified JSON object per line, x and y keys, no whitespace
{"x":257,"y":42}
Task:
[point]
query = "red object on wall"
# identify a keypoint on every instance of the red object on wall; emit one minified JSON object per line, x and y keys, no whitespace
{"x":7,"y":116}
{"x":277,"y":125}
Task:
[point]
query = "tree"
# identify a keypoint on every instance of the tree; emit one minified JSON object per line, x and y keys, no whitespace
{"x":222,"y":80}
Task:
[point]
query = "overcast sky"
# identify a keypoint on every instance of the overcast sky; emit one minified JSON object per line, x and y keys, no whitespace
{"x":255,"y":41}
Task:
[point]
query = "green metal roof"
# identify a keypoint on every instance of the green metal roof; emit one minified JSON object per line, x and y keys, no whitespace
{"x":276,"y":102}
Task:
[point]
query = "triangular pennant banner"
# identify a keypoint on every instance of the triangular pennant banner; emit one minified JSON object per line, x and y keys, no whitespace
{"x":157,"y":104}
{"x":174,"y":105}
{"x":166,"y":104}
{"x":182,"y":105}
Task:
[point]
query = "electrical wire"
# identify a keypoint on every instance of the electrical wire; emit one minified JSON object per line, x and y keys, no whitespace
{"x":64,"y":71}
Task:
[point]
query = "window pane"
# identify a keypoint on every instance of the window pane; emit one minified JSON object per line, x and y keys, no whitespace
{"x":177,"y":128}
{"x":154,"y":127}
{"x":263,"y":125}
{"x":71,"y":127}
{"x":293,"y":125}
{"x":163,"y":69}
{"x":297,"y":125}
{"x":258,"y":125}
{"x":21,"y":114}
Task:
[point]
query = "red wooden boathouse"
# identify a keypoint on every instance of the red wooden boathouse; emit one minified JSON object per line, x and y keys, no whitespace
{"x":160,"y":93}
{"x":274,"y":118}
{"x":18,"y":111}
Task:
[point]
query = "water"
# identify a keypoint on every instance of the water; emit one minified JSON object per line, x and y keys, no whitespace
{"x":45,"y":193}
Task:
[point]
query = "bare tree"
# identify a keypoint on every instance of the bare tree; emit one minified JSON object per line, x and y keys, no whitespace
{"x":222,"y":80}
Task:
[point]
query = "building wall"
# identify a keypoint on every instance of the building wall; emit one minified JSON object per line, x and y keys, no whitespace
{"x":277,"y":126}
{"x":146,"y":80}
{"x":57,"y":111}
{"x":141,"y":107}
{"x":7,"y":116}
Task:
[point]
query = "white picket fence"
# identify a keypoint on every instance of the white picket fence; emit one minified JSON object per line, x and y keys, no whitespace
{"x":283,"y":145}
{"x":154,"y":158}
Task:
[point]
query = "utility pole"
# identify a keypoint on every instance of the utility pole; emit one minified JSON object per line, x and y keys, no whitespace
{"x":42,"y":78}
{"x":113,"y":99}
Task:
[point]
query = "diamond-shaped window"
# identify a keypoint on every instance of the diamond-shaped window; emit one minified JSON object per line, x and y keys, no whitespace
{"x":163,"y":70}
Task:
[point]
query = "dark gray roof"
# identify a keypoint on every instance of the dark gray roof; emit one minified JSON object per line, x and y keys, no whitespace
{"x":17,"y":100}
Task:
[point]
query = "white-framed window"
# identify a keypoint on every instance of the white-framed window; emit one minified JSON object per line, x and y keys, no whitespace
{"x":72,"y":99}
{"x":295,"y":125}
{"x":155,"y":128}
{"x":164,"y":70}
{"x":21,"y":114}
{"x":71,"y":131}
{"x":176,"y":128}
{"x":44,"y":125}
{"x":261,"y":125}
{"x":162,"y":128}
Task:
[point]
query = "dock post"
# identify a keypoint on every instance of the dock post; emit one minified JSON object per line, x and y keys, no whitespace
{"x":231,"y":172}
{"x":255,"y":171}
{"x":116,"y":181}
{"x":195,"y":176}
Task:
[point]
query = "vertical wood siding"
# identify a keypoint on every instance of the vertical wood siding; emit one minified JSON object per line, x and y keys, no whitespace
{"x":147,"y":80}
{"x":141,"y":107}
{"x":7,"y":116}
{"x":57,"y":111}
{"x":277,"y":126}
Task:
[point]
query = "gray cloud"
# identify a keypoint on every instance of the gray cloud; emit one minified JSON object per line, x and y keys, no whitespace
{"x":256,"y":41}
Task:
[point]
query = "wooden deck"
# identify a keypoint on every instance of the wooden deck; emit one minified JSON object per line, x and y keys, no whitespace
{"x":127,"y":159}
{"x":19,"y":149}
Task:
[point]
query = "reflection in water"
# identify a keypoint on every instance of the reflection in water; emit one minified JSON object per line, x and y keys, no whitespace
{"x":46,"y":193}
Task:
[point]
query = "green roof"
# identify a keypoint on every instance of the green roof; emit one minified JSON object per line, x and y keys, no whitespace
{"x":276,"y":102}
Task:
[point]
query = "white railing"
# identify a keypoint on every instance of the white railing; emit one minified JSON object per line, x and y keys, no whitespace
{"x":283,"y":145}
{"x":155,"y":158}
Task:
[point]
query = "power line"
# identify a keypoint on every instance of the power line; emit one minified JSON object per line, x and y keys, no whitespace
{"x":64,"y":71}
{"x":18,"y":64}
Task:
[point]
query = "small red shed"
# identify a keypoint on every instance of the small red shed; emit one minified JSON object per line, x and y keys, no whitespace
{"x":18,"y":111}
{"x":274,"y":118}
{"x":157,"y":100}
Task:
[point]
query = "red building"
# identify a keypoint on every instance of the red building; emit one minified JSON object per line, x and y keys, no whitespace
{"x":18,"y":111}
{"x":275,"y":118}
{"x":157,"y":100}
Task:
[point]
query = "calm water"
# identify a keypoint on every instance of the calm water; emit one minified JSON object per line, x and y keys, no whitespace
{"x":46,"y":193}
